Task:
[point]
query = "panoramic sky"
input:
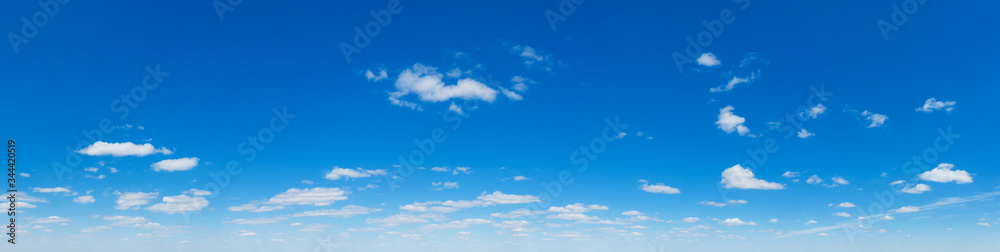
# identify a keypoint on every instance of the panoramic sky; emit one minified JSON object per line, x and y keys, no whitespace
{"x":570,"y":125}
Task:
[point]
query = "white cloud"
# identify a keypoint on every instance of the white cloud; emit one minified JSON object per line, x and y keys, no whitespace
{"x":500,"y":198}
{"x":345,"y":212}
{"x":576,"y":208}
{"x":730,"y":122}
{"x":573,"y":217}
{"x":708,"y":59}
{"x":372,"y":77}
{"x":455,"y":108}
{"x":842,"y":214}
{"x":463,"y":170}
{"x":444,"y":185}
{"x":943,"y":173}
{"x":823,"y":234}
{"x":197,"y":192}
{"x":660,"y":188}
{"x":96,"y":229}
{"x":917,"y":189}
{"x":179,"y":204}
{"x":712,"y":203}
{"x":399,"y":219}
{"x":521,"y":178}
{"x":983,"y":224}
{"x":513,"y":96}
{"x":84,"y":199}
{"x":736,"y":222}
{"x":245,"y":233}
{"x":132,"y":200}
{"x":742,"y":178}
{"x":122,"y":149}
{"x":814,"y":180}
{"x":840,"y":180}
{"x":888,"y":217}
{"x":804,"y":134}
{"x":690,"y":219}
{"x":52,"y":190}
{"x":875,"y":119}
{"x":171,"y":165}
{"x":773,"y":221}
{"x":907,"y":209}
{"x":846,"y":204}
{"x":817,"y":110}
{"x":25,"y":175}
{"x":425,"y":82}
{"x":254,"y":208}
{"x":933,"y":104}
{"x":308,"y":182}
{"x":344,"y":173}
{"x":810,"y":222}
{"x":50,"y":219}
{"x":90,"y":169}
{"x":790,"y":174}
{"x":732,"y":83}
{"x":897,"y":182}
{"x":257,"y":221}
{"x":318,"y":196}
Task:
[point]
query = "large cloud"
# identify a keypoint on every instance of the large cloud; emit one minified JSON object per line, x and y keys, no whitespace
{"x":426,"y":83}
{"x":742,"y":178}
{"x":943,"y":173}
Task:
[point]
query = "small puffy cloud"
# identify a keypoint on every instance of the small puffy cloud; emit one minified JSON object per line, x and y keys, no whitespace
{"x":26,"y":175}
{"x":814,"y":180}
{"x":730,"y":122}
{"x":983,"y":224}
{"x":742,"y":178}
{"x":840,"y":180}
{"x":50,"y":219}
{"x":888,"y":217}
{"x":691,"y":219}
{"x":943,"y":173}
{"x":345,"y":212}
{"x":907,"y":209}
{"x":660,"y":188}
{"x":875,"y":119}
{"x":172,"y":165}
{"x":804,"y":134}
{"x":842,"y":214}
{"x":817,"y":110}
{"x":461,"y":170}
{"x":916,"y":189}
{"x":846,"y":205}
{"x":444,"y":185}
{"x":179,"y":204}
{"x":810,"y":222}
{"x":254,"y":208}
{"x":513,"y":96}
{"x":773,"y":221}
{"x":708,"y":59}
{"x":790,"y":174}
{"x":122,"y":149}
{"x":501,"y":198}
{"x":132,"y":200}
{"x":344,"y":173}
{"x":521,"y":178}
{"x":426,"y":83}
{"x":256,"y":221}
{"x":319,"y":196}
{"x":197,"y":192}
{"x":823,"y":234}
{"x":90,"y":169}
{"x":455,"y":108}
{"x":932,"y":104}
{"x":245,"y":233}
{"x":712,"y":203}
{"x":736,"y":222}
{"x":372,"y":77}
{"x":84,"y":199}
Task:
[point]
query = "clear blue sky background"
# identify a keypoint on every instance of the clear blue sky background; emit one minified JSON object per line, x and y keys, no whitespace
{"x":606,"y":60}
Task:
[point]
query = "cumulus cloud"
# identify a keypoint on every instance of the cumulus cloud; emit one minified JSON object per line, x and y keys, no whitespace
{"x":179,"y":204}
{"x":943,"y":173}
{"x":840,"y":180}
{"x":817,"y":110}
{"x":254,"y":208}
{"x":730,"y":122}
{"x":84,"y":199}
{"x":659,"y":188}
{"x":736,"y":222}
{"x":804,"y":134}
{"x":345,"y":212}
{"x":122,"y":149}
{"x":742,"y":178}
{"x":708,"y":59}
{"x":372,"y":77}
{"x":814,"y":180}
{"x":907,"y":209}
{"x":172,"y":165}
{"x":931,"y":105}
{"x":842,"y":214}
{"x":344,"y":173}
{"x":132,"y":200}
{"x":521,"y":178}
{"x":52,"y":190}
{"x":846,"y":204}
{"x":318,"y":196}
{"x":690,"y":219}
{"x":500,"y":198}
{"x":916,"y":189}
{"x":426,"y":83}
{"x":875,"y":119}
{"x":790,"y":174}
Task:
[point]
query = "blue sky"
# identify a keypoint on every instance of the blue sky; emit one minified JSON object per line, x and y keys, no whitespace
{"x":498,"y":126}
